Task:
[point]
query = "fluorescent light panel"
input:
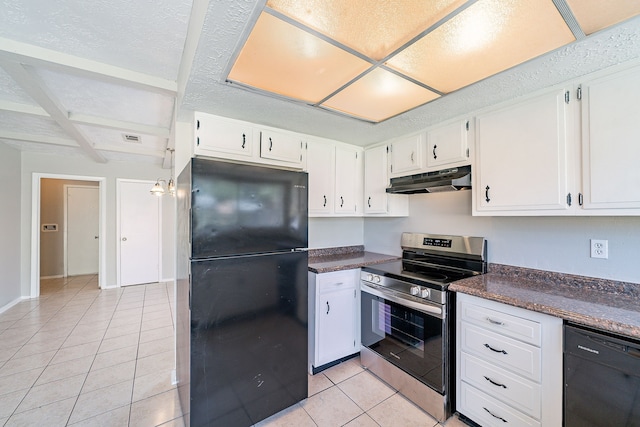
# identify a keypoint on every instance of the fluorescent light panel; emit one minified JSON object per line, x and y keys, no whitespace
{"x":329,"y":53}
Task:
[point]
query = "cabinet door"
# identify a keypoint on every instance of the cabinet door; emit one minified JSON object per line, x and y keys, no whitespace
{"x":347,"y":181}
{"x":407,"y":155}
{"x":376,"y":180}
{"x":282,"y":147}
{"x":321,"y":171}
{"x":521,"y":162}
{"x":336,"y":326}
{"x":611,"y":142}
{"x":222,"y":137}
{"x":448,"y":144}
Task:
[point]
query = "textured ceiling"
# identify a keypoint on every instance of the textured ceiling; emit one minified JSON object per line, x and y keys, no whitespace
{"x":75,"y":75}
{"x":224,"y":28}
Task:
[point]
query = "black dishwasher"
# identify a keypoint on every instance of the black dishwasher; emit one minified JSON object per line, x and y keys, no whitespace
{"x":601,"y":379}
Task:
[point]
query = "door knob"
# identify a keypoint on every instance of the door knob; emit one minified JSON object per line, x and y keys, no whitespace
{"x":95,"y":237}
{"x":124,"y":239}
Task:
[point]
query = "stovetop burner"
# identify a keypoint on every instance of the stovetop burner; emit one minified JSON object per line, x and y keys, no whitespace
{"x":429,"y":262}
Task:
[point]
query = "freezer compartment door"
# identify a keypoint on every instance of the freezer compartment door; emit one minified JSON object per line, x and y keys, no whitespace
{"x":248,"y":337}
{"x":241,"y":209}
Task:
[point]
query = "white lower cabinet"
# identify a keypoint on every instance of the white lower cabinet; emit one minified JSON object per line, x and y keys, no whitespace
{"x":333,"y":316}
{"x":509,"y":364}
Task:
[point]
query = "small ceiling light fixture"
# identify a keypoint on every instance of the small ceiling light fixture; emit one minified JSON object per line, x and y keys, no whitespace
{"x":158,"y":187}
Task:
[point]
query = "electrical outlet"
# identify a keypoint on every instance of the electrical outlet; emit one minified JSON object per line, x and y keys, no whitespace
{"x":599,"y":248}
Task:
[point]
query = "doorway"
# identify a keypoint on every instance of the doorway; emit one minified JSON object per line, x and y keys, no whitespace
{"x":55,"y":226}
{"x":82,"y":230}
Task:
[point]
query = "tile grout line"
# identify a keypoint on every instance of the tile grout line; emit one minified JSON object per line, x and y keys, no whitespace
{"x":45,"y":366}
{"x":94,"y":357}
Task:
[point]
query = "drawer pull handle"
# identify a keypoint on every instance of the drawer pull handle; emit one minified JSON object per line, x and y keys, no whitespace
{"x":494,"y":383}
{"x":495,"y":322}
{"x":493,"y":349}
{"x":328,"y":307}
{"x":394,"y":355}
{"x":495,"y":416}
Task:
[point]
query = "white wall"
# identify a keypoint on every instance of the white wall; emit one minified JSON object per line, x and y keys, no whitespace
{"x":10,"y":218}
{"x":47,"y":163}
{"x":334,"y":232}
{"x":558,"y":244}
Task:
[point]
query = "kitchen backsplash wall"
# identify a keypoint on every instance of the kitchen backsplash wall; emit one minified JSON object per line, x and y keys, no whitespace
{"x":335,"y":232}
{"x":558,"y":244}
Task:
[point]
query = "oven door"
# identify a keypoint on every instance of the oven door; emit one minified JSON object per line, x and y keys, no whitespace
{"x":406,"y":333}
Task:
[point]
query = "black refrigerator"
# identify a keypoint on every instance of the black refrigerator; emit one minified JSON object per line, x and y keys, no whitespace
{"x":241,"y":292}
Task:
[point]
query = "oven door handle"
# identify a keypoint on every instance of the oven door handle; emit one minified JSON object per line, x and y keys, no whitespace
{"x":427,"y":309}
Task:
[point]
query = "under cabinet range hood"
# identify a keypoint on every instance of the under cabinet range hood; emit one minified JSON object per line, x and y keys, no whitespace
{"x":452,"y":179}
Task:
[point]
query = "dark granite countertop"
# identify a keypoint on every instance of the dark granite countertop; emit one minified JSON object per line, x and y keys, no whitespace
{"x":344,"y":258}
{"x":598,"y":303}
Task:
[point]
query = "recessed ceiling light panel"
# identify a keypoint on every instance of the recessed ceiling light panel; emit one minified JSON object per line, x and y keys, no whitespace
{"x":488,"y":37}
{"x":379,"y":95}
{"x":595,"y":15}
{"x":281,"y":58}
{"x":374,"y":29}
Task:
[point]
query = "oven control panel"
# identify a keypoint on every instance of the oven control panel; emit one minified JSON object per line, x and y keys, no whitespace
{"x":399,"y":286}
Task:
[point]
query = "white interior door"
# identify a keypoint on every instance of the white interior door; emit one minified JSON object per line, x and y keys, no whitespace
{"x":82,"y":230}
{"x":139,"y":236}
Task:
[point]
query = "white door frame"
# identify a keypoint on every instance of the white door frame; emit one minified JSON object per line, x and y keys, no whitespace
{"x":119,"y":182}
{"x":66,"y":212}
{"x":35,"y":226}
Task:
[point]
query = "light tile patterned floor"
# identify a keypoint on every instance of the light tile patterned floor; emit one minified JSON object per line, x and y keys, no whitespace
{"x":79,"y":356}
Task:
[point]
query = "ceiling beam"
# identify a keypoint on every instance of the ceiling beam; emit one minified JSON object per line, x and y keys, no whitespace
{"x":33,"y":85}
{"x":15,"y":107}
{"x":27,"y":54}
{"x":86,"y":119}
{"x":131,"y":150}
{"x":42,"y":139}
{"x":102,"y":122}
{"x":194,"y":31}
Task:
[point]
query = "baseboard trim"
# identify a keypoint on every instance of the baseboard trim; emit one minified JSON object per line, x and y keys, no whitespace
{"x":57,"y":276}
{"x":12,"y":303}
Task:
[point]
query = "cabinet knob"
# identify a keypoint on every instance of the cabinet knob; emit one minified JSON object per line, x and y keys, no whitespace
{"x":325,"y":201}
{"x":434,"y":151}
{"x":244,"y":140}
{"x":341,"y":201}
{"x":328,"y":307}
{"x":270,"y":144}
{"x":486,"y":194}
{"x":369,"y":202}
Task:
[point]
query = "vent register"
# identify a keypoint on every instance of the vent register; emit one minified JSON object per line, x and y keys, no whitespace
{"x":373,"y":60}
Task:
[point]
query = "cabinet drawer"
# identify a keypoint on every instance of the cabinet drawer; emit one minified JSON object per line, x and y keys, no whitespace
{"x":516,"y":356}
{"x":490,"y":412}
{"x":503,"y":323}
{"x":510,"y":388}
{"x":336,"y":280}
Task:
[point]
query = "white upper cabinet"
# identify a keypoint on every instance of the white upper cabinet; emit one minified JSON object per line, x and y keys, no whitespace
{"x":219,"y":137}
{"x":611,"y":143}
{"x":280,"y":146}
{"x":407,"y":155}
{"x":335,"y":178}
{"x":348,"y":194}
{"x":521,"y":162}
{"x":448,"y":145}
{"x":321,"y":171}
{"x":376,"y":181}
{"x":245,"y":142}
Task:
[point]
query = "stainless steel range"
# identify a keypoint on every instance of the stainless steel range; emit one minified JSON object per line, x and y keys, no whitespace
{"x":407,"y":316}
